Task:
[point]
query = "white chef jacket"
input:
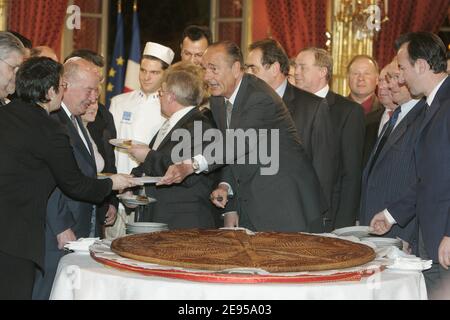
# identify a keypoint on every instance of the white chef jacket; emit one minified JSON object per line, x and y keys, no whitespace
{"x":136,"y":117}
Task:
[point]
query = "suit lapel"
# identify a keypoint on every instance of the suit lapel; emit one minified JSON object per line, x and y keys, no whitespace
{"x":435,"y":105}
{"x":401,"y":128}
{"x":75,"y":137}
{"x":239,"y":102}
{"x":178,"y":125}
{"x":288,"y":97}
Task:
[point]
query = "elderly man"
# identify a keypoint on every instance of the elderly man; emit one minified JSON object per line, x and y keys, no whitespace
{"x":422,"y":63}
{"x":195,"y":40}
{"x":362,"y":73}
{"x":285,"y":199}
{"x":268,"y":61}
{"x":376,"y":119}
{"x":313,"y":73}
{"x":185,"y":205}
{"x":390,"y":170}
{"x":70,"y":219}
{"x":11,"y":56}
{"x":137,"y":114}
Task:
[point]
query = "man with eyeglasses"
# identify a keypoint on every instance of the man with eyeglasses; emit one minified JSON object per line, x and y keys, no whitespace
{"x":11,"y":57}
{"x":195,"y":40}
{"x":137,"y":114}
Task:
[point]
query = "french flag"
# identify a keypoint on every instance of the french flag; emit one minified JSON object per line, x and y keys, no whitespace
{"x":134,"y":60}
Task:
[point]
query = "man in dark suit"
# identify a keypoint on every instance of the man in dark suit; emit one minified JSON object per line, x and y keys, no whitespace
{"x":268,"y":61}
{"x":422,"y":62}
{"x":184,"y":205}
{"x":284,"y":196}
{"x":36,"y":155}
{"x":314,"y":68}
{"x":390,"y":170}
{"x":69,"y":219}
{"x":376,"y":120}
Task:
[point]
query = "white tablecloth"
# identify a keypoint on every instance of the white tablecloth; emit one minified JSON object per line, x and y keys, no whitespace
{"x":79,"y":277}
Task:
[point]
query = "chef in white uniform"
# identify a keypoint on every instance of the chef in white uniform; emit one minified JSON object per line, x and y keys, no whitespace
{"x":137,"y":116}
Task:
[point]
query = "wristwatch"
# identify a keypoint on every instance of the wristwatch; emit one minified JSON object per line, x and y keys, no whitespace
{"x":195,"y":165}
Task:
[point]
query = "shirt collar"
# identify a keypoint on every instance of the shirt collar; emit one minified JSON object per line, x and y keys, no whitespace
{"x":323,"y":92}
{"x":66,"y":110}
{"x":173,"y":120}
{"x":282,"y":88}
{"x":431,"y":96}
{"x":407,"y":107}
{"x":233,"y":96}
{"x":142,"y":95}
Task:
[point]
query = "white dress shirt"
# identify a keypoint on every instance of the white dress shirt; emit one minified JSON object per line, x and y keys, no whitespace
{"x":80,"y":133}
{"x":323,"y":92}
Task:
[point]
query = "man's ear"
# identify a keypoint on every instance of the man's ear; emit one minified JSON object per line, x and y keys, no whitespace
{"x":421,"y":66}
{"x":236,"y":69}
{"x":275,"y":68}
{"x":51,"y":93}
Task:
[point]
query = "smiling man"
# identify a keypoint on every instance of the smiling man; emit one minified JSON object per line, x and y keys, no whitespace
{"x":11,"y":56}
{"x":242,"y":101}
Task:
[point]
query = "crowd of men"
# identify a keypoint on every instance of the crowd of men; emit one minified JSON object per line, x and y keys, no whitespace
{"x":378,"y":157}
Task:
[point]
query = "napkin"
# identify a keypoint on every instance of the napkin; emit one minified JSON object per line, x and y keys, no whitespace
{"x":81,"y":245}
{"x":399,"y":260}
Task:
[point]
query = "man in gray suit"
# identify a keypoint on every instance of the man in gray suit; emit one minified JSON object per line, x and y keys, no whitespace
{"x":288,"y":200}
{"x":69,"y":219}
{"x":390,"y":169}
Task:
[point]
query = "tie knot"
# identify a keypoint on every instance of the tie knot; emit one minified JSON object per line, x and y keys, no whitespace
{"x":390,"y":113}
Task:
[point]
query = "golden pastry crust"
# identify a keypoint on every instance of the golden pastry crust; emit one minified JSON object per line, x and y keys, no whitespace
{"x":224,"y":249}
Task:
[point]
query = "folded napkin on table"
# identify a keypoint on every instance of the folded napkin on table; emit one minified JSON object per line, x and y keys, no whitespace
{"x":399,"y":260}
{"x":81,"y":244}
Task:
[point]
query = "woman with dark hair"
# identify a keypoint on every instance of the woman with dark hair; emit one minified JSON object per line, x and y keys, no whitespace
{"x":36,"y":156}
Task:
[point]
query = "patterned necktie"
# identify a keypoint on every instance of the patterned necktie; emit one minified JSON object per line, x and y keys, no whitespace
{"x":229,"y":108}
{"x":387,"y":130}
{"x":161,"y":134}
{"x":74,"y":122}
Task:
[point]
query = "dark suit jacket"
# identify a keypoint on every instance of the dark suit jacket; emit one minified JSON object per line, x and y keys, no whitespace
{"x":312,"y":119}
{"x":184,"y":205}
{"x":36,"y":155}
{"x":348,"y":122}
{"x":392,"y":174}
{"x":64,"y":212}
{"x":291,"y":199}
{"x":102,"y":130}
{"x":372,"y":120}
{"x":429,"y":198}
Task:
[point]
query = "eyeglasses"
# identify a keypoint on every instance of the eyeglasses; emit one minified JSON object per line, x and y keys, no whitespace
{"x":160,"y":93}
{"x":14,"y":68}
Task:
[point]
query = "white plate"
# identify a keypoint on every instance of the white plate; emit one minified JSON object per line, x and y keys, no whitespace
{"x":356,"y":231}
{"x":147,"y":224}
{"x":145,"y":180}
{"x":133,"y":200}
{"x":125,"y":143}
{"x":381,"y":242}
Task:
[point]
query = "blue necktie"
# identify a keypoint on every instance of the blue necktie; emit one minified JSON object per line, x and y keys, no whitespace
{"x":387,"y":130}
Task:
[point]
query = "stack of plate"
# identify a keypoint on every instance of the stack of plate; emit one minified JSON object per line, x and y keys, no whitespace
{"x":381,"y":242}
{"x":145,"y":227}
{"x":356,"y":231}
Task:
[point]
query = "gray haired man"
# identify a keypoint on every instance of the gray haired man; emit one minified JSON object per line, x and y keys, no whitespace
{"x":11,"y":57}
